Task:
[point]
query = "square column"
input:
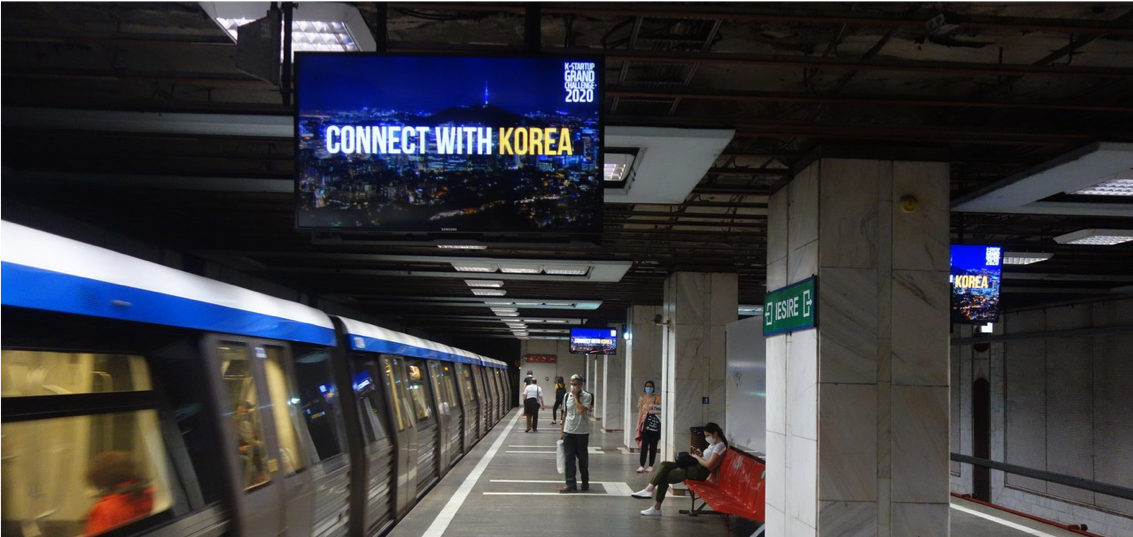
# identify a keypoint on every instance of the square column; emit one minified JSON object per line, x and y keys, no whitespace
{"x":857,"y":409}
{"x":698,"y":306}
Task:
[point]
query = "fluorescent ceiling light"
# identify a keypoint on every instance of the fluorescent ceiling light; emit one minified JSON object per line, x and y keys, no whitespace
{"x":319,"y":26}
{"x":525,"y":303}
{"x":498,"y":302}
{"x":508,"y":310}
{"x":1096,"y":237}
{"x":507,"y":313}
{"x":485,"y":283}
{"x":616,"y":166}
{"x":1024,"y":258}
{"x":555,"y":321}
{"x":474,"y":267}
{"x":488,"y":292}
{"x":461,"y":246}
{"x":520,"y":269}
{"x":750,"y":310}
{"x":565,"y":271}
{"x":1113,"y":187}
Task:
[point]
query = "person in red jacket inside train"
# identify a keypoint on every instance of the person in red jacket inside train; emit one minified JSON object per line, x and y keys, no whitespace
{"x":125,"y":494}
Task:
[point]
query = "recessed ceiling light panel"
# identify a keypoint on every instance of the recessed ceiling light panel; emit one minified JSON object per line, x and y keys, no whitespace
{"x":474,"y":267}
{"x":1024,"y":258}
{"x":488,"y":292}
{"x":485,"y":283}
{"x":1113,"y":187}
{"x":1096,"y":237}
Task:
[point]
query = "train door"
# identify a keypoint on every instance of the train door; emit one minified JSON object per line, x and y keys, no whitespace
{"x":484,"y":400}
{"x":505,"y":394}
{"x":471,"y":407}
{"x":448,"y":414}
{"x":428,"y":433}
{"x":497,"y":404}
{"x":380,"y":454}
{"x":255,"y":396}
{"x":405,"y":432}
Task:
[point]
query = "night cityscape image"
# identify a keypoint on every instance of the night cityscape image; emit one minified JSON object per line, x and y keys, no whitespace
{"x":975,"y":277}
{"x":437,"y":144}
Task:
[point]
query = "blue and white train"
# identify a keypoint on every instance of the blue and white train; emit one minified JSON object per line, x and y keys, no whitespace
{"x":142,"y":400}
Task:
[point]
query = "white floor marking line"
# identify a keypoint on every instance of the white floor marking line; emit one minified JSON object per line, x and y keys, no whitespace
{"x":523,"y":451}
{"x":1011,"y":525}
{"x":612,"y":488}
{"x":444,"y":518}
{"x":544,"y":446}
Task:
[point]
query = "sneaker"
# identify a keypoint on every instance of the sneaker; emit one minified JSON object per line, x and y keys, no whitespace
{"x":643,"y":493}
{"x":640,"y":469}
{"x":568,"y":490}
{"x":651,"y":512}
{"x":649,"y":469}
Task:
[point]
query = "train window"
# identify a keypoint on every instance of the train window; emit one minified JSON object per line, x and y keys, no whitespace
{"x":246,"y":418}
{"x":466,"y":380}
{"x":318,"y":399}
{"x":83,"y":475}
{"x":284,"y":409}
{"x":33,"y":373}
{"x":442,"y":383}
{"x":372,"y":405}
{"x":397,"y":393}
{"x":418,"y":391}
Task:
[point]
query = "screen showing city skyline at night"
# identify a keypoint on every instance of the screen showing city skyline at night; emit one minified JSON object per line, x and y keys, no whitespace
{"x":448,"y":144}
{"x":593,"y":341}
{"x":975,"y":278}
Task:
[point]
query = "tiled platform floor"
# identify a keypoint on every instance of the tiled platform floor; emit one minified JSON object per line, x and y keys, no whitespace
{"x":508,"y":486}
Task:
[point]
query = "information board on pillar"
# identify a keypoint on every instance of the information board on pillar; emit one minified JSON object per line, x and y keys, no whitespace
{"x":448,"y":144}
{"x":794,"y":307}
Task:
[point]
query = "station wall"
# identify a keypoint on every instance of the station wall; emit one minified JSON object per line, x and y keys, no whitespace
{"x":1059,"y":403}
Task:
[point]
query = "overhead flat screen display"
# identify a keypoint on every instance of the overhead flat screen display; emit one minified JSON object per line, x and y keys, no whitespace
{"x":975,"y":276}
{"x":448,"y":144}
{"x":593,"y":341}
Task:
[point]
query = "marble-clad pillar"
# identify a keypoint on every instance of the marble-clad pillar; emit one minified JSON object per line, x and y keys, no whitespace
{"x":857,"y":409}
{"x":697,"y":308}
{"x":642,"y":363}
{"x":614,"y":392}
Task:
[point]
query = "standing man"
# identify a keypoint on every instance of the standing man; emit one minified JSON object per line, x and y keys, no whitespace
{"x":575,"y":434}
{"x":532,"y":402}
{"x":527,"y":382}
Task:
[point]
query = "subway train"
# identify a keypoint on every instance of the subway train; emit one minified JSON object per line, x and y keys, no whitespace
{"x":142,"y":400}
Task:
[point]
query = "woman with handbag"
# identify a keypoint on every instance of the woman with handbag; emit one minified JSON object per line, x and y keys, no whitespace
{"x":648,"y":426}
{"x":698,"y":467}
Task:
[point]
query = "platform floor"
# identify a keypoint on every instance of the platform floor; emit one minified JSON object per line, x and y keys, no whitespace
{"x":508,"y":486}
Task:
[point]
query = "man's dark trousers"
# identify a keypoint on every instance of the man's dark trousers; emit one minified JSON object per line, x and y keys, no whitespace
{"x":577,"y":445}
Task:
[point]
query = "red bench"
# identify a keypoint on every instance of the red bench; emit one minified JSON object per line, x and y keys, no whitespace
{"x":737,"y":488}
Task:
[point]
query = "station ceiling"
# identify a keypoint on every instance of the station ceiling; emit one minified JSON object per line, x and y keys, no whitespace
{"x":133,"y":117}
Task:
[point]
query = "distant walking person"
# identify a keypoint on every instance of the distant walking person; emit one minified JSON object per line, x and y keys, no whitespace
{"x":576,"y":434}
{"x":526,"y":382}
{"x":560,"y":393}
{"x":648,"y":426}
{"x":532,"y":402}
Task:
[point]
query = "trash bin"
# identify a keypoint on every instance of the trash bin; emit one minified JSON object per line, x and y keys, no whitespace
{"x":696,"y":439}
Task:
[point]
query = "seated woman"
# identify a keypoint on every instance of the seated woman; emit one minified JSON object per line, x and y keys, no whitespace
{"x":668,"y":472}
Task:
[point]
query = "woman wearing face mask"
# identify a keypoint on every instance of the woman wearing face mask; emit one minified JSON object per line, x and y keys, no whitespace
{"x":648,"y":426}
{"x":668,"y":472}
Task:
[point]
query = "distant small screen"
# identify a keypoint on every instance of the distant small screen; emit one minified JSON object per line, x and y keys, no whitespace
{"x":593,"y":341}
{"x":448,"y":144}
{"x":975,"y":278}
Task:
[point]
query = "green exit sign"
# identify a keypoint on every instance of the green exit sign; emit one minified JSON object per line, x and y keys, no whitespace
{"x":794,"y":307}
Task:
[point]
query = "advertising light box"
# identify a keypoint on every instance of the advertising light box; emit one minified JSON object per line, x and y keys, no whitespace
{"x":448,"y":144}
{"x":975,"y":277}
{"x":593,"y":341}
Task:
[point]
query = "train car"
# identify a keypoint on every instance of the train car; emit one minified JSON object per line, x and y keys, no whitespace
{"x":142,"y":400}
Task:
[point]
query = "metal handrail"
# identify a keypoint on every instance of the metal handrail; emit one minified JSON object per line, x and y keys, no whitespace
{"x":1061,"y":479}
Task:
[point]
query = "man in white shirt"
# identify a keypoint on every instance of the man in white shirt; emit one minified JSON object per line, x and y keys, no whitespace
{"x":532,"y":402}
{"x":576,"y":434}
